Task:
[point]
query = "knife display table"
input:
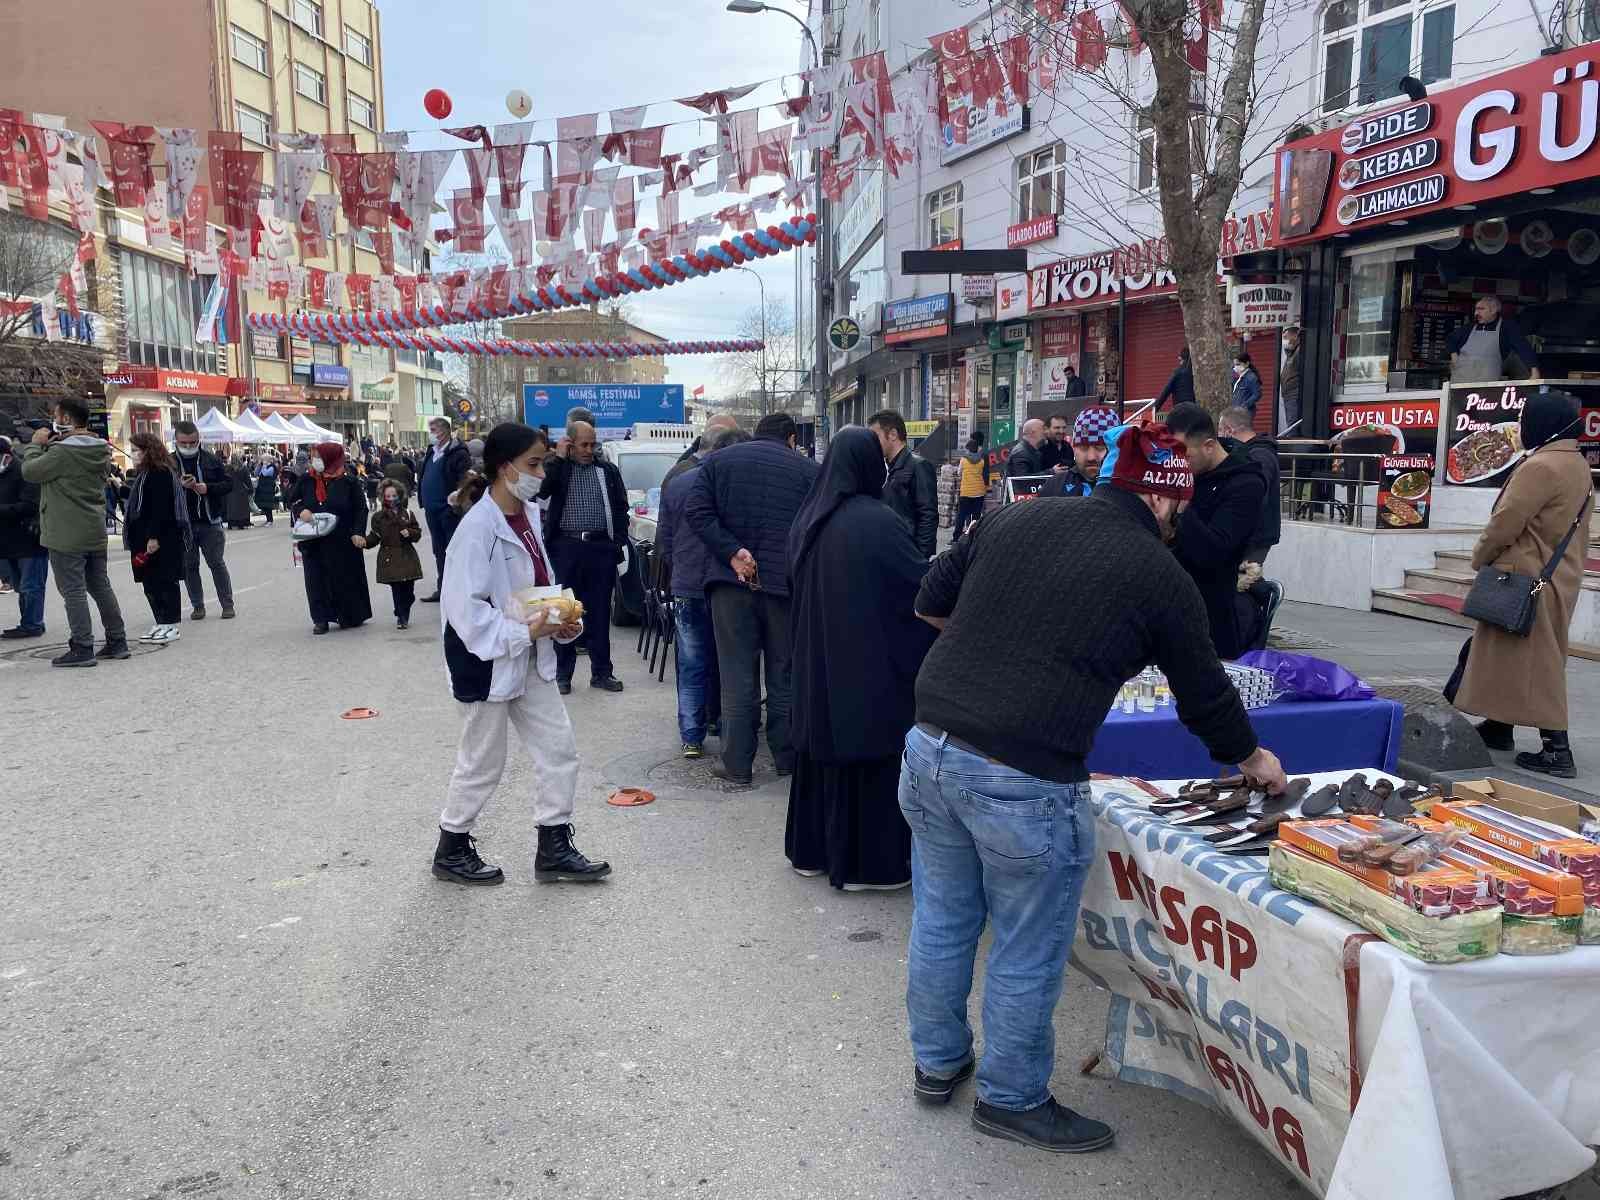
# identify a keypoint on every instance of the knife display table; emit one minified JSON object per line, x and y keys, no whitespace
{"x":1320,"y":735}
{"x":1361,"y":1070}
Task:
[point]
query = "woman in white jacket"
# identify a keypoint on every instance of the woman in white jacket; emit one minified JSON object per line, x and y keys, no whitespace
{"x":503,"y":669}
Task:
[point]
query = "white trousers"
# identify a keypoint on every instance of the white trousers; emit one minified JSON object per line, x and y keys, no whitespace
{"x":546,"y":733}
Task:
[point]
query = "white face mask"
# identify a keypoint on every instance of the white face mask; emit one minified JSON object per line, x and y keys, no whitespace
{"x":316,"y":462}
{"x":58,"y":427}
{"x":527,"y":487}
{"x":5,"y":462}
{"x":188,"y":451}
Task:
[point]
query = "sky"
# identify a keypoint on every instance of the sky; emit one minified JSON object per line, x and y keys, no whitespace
{"x":593,"y":56}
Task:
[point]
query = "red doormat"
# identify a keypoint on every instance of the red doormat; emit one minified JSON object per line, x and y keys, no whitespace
{"x":1437,"y":599}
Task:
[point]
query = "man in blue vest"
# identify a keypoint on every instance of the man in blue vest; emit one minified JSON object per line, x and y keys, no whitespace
{"x":441,"y":470}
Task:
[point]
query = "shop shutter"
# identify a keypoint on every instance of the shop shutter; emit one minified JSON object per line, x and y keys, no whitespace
{"x":1155,"y":335}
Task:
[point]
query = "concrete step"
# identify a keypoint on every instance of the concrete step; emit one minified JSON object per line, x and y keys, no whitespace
{"x":1444,"y":608}
{"x":1451,"y":561}
{"x":1447,"y":582}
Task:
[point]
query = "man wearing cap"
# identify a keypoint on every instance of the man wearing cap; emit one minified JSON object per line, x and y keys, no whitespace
{"x":1077,"y":476}
{"x":993,"y":784}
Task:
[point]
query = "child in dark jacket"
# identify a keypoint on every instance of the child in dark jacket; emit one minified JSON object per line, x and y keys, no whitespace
{"x":394,"y":535}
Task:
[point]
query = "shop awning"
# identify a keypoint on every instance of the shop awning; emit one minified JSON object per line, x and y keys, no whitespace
{"x":270,"y":408}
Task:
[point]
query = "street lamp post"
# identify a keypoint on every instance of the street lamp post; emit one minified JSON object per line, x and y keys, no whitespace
{"x":763,"y":368}
{"x":820,"y":369}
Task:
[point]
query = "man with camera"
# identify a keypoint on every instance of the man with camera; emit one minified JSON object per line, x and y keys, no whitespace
{"x":68,"y":463}
{"x":205,"y":485}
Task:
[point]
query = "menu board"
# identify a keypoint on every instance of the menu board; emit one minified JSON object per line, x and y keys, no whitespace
{"x":1393,"y":426}
{"x":1431,"y":322}
{"x":1483,"y":437}
{"x":1405,"y":487}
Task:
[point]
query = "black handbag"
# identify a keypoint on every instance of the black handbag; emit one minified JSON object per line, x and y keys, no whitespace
{"x":1508,"y":600}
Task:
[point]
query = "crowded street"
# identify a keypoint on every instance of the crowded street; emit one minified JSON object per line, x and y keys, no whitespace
{"x":227,"y":972}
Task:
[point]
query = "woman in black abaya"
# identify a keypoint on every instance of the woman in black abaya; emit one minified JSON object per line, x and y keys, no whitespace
{"x":335,"y":570}
{"x":858,"y":645}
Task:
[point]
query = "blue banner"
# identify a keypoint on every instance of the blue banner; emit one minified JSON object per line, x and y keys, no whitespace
{"x":616,"y":406}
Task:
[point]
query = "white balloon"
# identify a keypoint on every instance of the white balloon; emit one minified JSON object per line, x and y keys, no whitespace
{"x":519,"y":103}
{"x":542,"y":249}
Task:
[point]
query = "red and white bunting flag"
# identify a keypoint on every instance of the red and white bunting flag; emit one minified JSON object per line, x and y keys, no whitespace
{"x":699,"y":391}
{"x":577,"y":148}
{"x":466,"y":210}
{"x":622,"y":205}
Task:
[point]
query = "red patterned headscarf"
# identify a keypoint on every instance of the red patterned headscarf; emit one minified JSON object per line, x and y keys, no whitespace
{"x":332,"y":455}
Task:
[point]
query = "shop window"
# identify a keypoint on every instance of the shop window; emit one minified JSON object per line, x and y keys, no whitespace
{"x":1041,"y":182}
{"x":1589,"y":21}
{"x":362,"y":112}
{"x":1366,"y":321}
{"x":1368,"y":46}
{"x":308,"y":15}
{"x":1145,"y":135}
{"x":253,"y":123}
{"x":161,"y":307}
{"x":310,"y":83}
{"x":358,"y":46}
{"x":248,"y":49}
{"x":944,"y":215}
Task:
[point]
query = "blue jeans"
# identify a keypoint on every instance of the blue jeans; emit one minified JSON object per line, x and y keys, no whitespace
{"x":699,"y":684}
{"x":990,"y":842}
{"x":28,"y":576}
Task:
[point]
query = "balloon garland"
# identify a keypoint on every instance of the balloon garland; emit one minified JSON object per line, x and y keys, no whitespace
{"x":303,"y":325}
{"x":775,"y":239}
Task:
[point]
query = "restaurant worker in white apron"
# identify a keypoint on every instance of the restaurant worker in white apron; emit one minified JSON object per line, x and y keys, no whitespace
{"x":503,"y":669}
{"x":1479,"y":352}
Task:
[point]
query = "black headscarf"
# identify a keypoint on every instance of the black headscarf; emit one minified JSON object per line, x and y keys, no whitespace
{"x":854,"y":466}
{"x":1548,"y":416}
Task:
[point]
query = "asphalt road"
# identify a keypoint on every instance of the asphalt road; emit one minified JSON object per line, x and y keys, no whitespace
{"x":226,"y":969}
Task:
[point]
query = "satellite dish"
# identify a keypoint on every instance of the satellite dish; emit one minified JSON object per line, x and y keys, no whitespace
{"x":518,"y":103}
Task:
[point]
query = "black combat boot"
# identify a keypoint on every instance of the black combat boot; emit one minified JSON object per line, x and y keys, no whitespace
{"x":456,"y":859}
{"x":559,"y":861}
{"x":1497,"y":735}
{"x":1554,"y":756}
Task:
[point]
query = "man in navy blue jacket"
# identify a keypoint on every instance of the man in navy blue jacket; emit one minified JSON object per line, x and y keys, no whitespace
{"x":440,"y":473}
{"x":743,"y":500}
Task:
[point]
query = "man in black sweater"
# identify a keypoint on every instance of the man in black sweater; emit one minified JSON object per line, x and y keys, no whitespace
{"x":912,"y":485}
{"x":994,"y":786}
{"x":1216,"y":528}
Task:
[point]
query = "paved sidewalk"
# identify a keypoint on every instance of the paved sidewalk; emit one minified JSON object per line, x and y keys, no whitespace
{"x":1396,"y":651}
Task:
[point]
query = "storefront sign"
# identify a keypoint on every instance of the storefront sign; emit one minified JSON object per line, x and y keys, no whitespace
{"x":977,"y":289}
{"x":1056,"y":377}
{"x":1405,"y":484}
{"x":281,"y":393}
{"x":1483,"y":439}
{"x":1266,"y":305}
{"x":616,"y":406}
{"x":1058,"y":338}
{"x":952,"y":244}
{"x":970,"y":129}
{"x":151,"y":379}
{"x":265,"y":345}
{"x":1533,"y":126}
{"x":1025,"y":233}
{"x":1395,"y":426}
{"x":376,"y":393}
{"x":1010,"y":297}
{"x":324,"y":376}
{"x":920,"y":429}
{"x":914,"y":319}
{"x":844,"y":333}
{"x":860,"y":217}
{"x":1025,"y":487}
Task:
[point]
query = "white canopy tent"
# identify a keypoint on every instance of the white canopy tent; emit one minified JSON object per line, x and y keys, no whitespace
{"x":215,"y":428}
{"x":286,"y":431}
{"x":304,"y":423}
{"x":256,"y":429}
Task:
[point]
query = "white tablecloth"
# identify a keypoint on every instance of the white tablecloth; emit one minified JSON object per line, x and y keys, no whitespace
{"x":1475,"y":1081}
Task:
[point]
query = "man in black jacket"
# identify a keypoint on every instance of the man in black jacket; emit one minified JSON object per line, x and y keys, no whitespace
{"x":26,"y":564}
{"x":1236,"y":428}
{"x":912,"y":485}
{"x":1217,"y":526}
{"x":206,"y":483}
{"x":742,"y":504}
{"x":993,"y":783}
{"x":1026,"y":456}
{"x":439,"y":474}
{"x":586,"y":526}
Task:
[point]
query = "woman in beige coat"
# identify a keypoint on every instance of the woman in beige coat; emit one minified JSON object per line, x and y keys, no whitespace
{"x":1514,"y":680}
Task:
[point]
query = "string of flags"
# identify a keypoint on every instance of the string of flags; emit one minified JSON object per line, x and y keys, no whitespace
{"x":445,"y":343}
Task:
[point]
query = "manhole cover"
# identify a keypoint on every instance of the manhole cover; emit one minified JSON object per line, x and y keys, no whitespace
{"x":866,"y":935}
{"x":695,"y":774}
{"x":56,"y":649}
{"x":1408,"y":694}
{"x":1283,"y":638}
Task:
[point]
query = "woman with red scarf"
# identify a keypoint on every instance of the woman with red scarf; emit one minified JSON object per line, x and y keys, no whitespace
{"x":336,"y":577}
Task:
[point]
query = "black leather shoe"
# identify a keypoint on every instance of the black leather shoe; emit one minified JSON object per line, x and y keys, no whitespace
{"x":76,"y":656}
{"x":197,"y":613}
{"x":433,"y":599}
{"x":1497,"y":735}
{"x":17,"y":632}
{"x":564,"y":686}
{"x":320,"y":628}
{"x":609,"y":684}
{"x":783,"y":768}
{"x":930,"y":1089}
{"x":115,"y":650}
{"x":1554,"y":757}
{"x":559,"y":861}
{"x":1050,"y":1127}
{"x":228,"y":612}
{"x":456,"y":859}
{"x":727,"y":776}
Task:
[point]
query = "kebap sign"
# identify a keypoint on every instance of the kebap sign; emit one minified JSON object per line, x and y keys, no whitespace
{"x":1534,"y":126}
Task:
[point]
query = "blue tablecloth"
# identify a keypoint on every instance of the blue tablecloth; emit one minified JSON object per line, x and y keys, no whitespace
{"x":1314,"y":736}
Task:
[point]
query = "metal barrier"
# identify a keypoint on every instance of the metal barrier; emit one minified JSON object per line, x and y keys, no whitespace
{"x":1328,"y":485}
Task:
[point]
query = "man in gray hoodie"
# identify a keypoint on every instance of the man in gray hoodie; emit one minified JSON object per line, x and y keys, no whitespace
{"x":69,"y":465}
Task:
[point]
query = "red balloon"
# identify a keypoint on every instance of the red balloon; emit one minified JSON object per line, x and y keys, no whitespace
{"x":437,"y":102}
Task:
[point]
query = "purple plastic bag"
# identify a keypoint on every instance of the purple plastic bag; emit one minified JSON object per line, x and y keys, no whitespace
{"x":1305,"y":678}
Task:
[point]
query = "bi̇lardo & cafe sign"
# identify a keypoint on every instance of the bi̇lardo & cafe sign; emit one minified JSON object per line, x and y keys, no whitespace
{"x":1534,"y":126}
